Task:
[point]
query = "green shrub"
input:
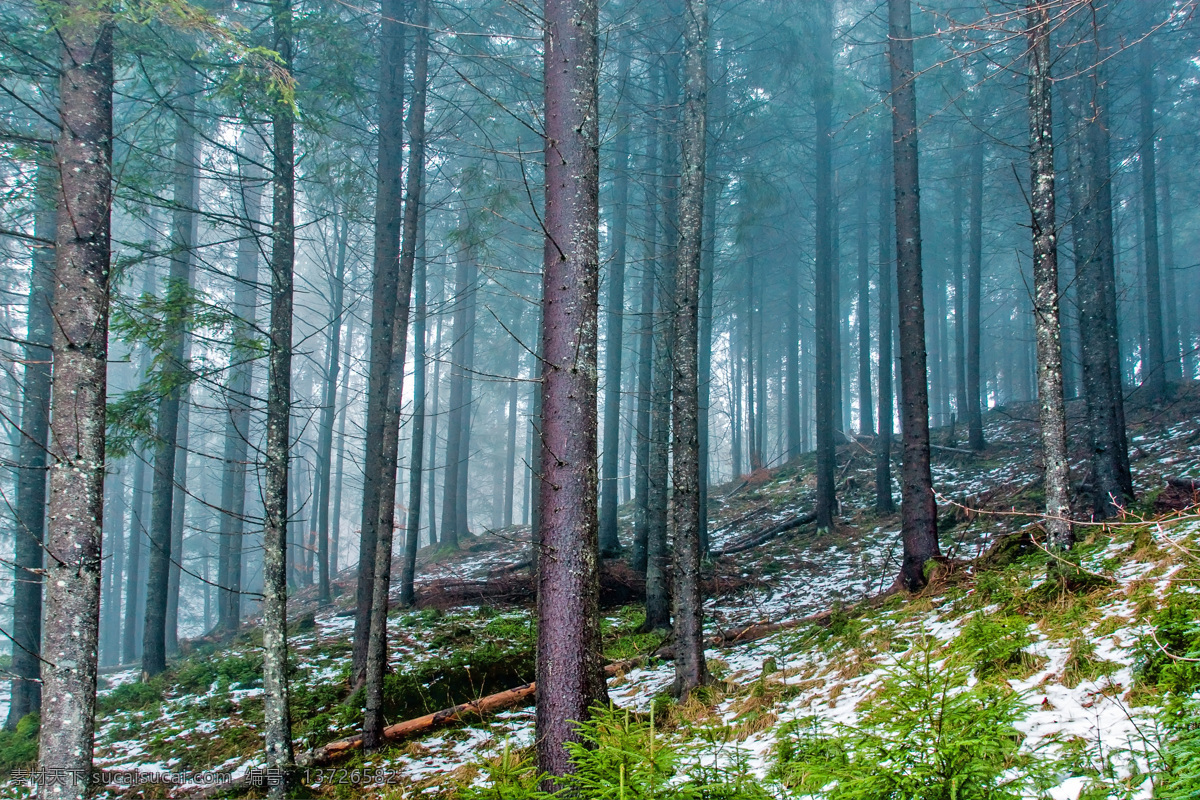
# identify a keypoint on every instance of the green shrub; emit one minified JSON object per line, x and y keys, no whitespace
{"x":925,"y":736}
{"x":1180,"y":776}
{"x":19,"y":748}
{"x":995,"y":645}
{"x":132,"y":696}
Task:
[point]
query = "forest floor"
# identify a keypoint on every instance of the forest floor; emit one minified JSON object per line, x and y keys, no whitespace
{"x":1076,"y":651}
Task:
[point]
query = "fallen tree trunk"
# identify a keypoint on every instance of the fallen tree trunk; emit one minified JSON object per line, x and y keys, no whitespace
{"x":754,"y":539}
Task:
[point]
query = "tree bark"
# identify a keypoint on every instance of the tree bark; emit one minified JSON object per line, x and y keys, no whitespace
{"x":918,"y":510}
{"x":825,"y":303}
{"x":339,"y":485}
{"x":610,"y":544}
{"x":383,"y":305}
{"x":645,"y":363}
{"x":276,"y":713}
{"x":510,"y":449}
{"x":883,"y":442}
{"x":175,"y":377}
{"x":688,"y":607}
{"x":866,"y":413}
{"x":1154,"y":367}
{"x":238,"y":388}
{"x":26,"y":690}
{"x":569,"y":666}
{"x":1052,"y":412}
{"x":974,"y":411}
{"x":110,"y":620}
{"x":333,"y":360}
{"x":178,"y":521}
{"x":80,"y":353}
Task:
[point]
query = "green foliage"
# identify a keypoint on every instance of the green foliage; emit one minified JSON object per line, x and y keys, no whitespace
{"x":1162,"y":657}
{"x":995,"y":644}
{"x":622,"y":756}
{"x":132,"y":696}
{"x":1181,"y":775}
{"x":19,"y":748}
{"x":926,"y":735}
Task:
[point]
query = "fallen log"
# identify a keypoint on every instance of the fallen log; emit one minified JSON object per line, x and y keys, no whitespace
{"x":1187,"y":484}
{"x":754,"y":539}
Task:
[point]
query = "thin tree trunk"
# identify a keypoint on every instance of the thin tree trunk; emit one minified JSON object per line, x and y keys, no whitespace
{"x":333,"y":359}
{"x":645,"y":369}
{"x":80,"y":354}
{"x":866,"y":411}
{"x":178,"y":523}
{"x":569,"y":669}
{"x":456,"y":424}
{"x":344,"y":411}
{"x":974,"y":410}
{"x":175,"y":376}
{"x":960,"y":338}
{"x":1173,"y":301}
{"x":26,"y":690}
{"x":383,"y":306}
{"x":883,"y":442}
{"x":1154,"y":367}
{"x":918,"y":509}
{"x":688,"y":608}
{"x":276,"y":713}
{"x":610,"y":544}
{"x":134,"y":580}
{"x":1052,"y":412}
{"x":116,"y":531}
{"x":826,"y":315}
{"x":237,"y":391}
{"x":510,"y":450}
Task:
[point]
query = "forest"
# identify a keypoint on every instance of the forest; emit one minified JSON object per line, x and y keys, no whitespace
{"x":699,"y":399}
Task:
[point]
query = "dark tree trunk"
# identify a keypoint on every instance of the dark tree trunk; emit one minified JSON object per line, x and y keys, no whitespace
{"x":883,"y":442}
{"x":918,"y":509}
{"x":383,"y":306}
{"x":456,"y":449}
{"x":610,"y":544}
{"x":974,"y":409}
{"x":175,"y":377}
{"x":688,"y":608}
{"x":707,"y":267}
{"x":791,"y":379}
{"x":826,"y":314}
{"x":960,"y":338}
{"x":1154,"y":368}
{"x":1173,"y":300}
{"x":510,"y":450}
{"x":178,"y":521}
{"x":1052,"y":413}
{"x":753,"y":451}
{"x":569,"y":673}
{"x":866,"y":411}
{"x":276,"y":714}
{"x":333,"y":360}
{"x":80,"y":354}
{"x":435,"y":415}
{"x":237,"y":392}
{"x":26,"y":693}
{"x":645,"y":362}
{"x":1091,"y":202}
{"x":135,"y":588}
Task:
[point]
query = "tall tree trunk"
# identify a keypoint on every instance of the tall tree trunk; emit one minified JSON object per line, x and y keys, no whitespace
{"x":435,"y":415}
{"x":457,"y":422}
{"x":1091,"y":203}
{"x":753,"y":450}
{"x":26,"y":690}
{"x":610,"y":544}
{"x":1052,"y":412}
{"x":866,"y":412}
{"x":883,"y":442}
{"x":468,"y":402}
{"x":115,"y":525}
{"x":645,"y":362}
{"x":80,"y":355}
{"x":707,"y":268}
{"x":333,"y":360}
{"x":238,"y":388}
{"x":918,"y":510}
{"x":826,"y":315}
{"x":1155,"y":364}
{"x":383,"y":306}
{"x":276,"y":713}
{"x":960,"y":337}
{"x":974,"y":410}
{"x":343,"y":406}
{"x":569,"y":674}
{"x":178,"y":523}
{"x":510,"y":450}
{"x":175,"y":377}
{"x":1173,"y":300}
{"x":688,"y":608}
{"x":135,"y":579}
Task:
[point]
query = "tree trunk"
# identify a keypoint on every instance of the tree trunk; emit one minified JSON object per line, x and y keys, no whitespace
{"x":1173,"y":300}
{"x":1052,"y":413}
{"x":336,"y":513}
{"x":383,"y":305}
{"x":645,"y":363}
{"x":333,"y":360}
{"x":510,"y":450}
{"x":276,"y":714}
{"x":457,"y":422}
{"x":26,"y":692}
{"x":918,"y":509}
{"x":175,"y":377}
{"x":178,"y":523}
{"x":974,"y":410}
{"x":417,"y":456}
{"x":960,"y":331}
{"x":866,"y":413}
{"x":1154,"y":368}
{"x":826,"y":315}
{"x":237,"y":391}
{"x":435,"y":415}
{"x":610,"y":544}
{"x":569,"y":666}
{"x":135,"y":580}
{"x":115,"y":525}
{"x":883,"y":442}
{"x":80,"y":353}
{"x":688,"y":604}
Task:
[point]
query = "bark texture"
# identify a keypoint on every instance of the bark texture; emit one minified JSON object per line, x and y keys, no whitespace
{"x":825,"y":302}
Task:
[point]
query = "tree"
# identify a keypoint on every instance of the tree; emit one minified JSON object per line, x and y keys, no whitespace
{"x":276,"y":714}
{"x":974,"y":411}
{"x":826,"y":302}
{"x":918,"y":510}
{"x":25,"y":695}
{"x":1154,"y":366}
{"x":1052,"y":413}
{"x":80,"y":353}
{"x":333,"y":360}
{"x":569,"y":675}
{"x":688,"y":609}
{"x":883,"y":441}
